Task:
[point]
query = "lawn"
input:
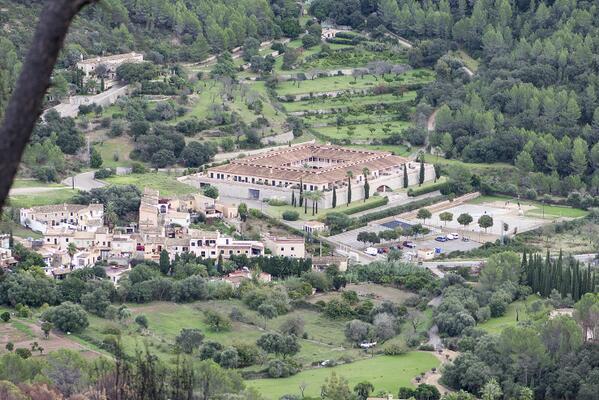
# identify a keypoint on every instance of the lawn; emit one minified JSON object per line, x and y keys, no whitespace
{"x":31,"y":183}
{"x":334,"y":83}
{"x":22,"y":232}
{"x":346,"y":101}
{"x":57,"y":196}
{"x":515,"y":310}
{"x":386,"y":373}
{"x":167,"y":184}
{"x":115,"y":151}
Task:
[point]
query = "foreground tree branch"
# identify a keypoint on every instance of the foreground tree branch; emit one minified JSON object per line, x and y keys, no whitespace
{"x":25,"y":104}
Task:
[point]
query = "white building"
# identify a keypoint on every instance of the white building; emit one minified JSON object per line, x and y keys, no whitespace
{"x":89,"y":66}
{"x":285,"y":246}
{"x":73,"y":216}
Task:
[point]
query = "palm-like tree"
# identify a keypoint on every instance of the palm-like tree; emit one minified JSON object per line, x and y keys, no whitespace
{"x":71,"y":249}
{"x":349,"y":176}
{"x":317,"y":195}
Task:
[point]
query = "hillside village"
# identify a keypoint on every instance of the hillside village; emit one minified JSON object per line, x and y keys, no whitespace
{"x":303,"y":200}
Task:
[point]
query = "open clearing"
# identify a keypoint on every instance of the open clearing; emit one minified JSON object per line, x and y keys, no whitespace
{"x":386,"y":373}
{"x":516,"y":312}
{"x":57,"y":196}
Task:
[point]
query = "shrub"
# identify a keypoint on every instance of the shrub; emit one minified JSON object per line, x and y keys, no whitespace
{"x":103,"y":173}
{"x":138,"y":168}
{"x":111,"y":330}
{"x":395,"y":349}
{"x":277,"y":202}
{"x":67,"y":317}
{"x":290,"y":215}
{"x":5,"y":316}
{"x":282,"y":368}
{"x":426,"y":347}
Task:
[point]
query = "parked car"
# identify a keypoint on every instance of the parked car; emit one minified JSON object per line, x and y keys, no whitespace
{"x":450,"y":236}
{"x":441,"y":239}
{"x":409,"y":244}
{"x":455,"y":235}
{"x":465,"y":239}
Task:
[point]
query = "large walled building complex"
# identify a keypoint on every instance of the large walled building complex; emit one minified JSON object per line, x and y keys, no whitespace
{"x":279,"y":173}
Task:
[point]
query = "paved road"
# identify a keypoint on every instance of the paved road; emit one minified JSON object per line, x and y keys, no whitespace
{"x":84,"y":181}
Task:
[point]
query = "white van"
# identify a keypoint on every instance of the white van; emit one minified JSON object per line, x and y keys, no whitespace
{"x":371,"y":251}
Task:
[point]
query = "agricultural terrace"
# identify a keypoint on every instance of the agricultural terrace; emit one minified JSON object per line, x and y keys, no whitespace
{"x":342,"y":83}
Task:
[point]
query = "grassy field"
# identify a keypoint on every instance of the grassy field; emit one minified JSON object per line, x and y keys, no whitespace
{"x":118,"y":148}
{"x":334,"y":83}
{"x":31,"y":183}
{"x":516,"y":310}
{"x":346,"y":101}
{"x":167,"y":184}
{"x":386,"y":373}
{"x":57,"y":196}
{"x":325,"y":337}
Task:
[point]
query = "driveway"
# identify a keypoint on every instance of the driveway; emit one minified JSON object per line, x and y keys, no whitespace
{"x":84,"y":181}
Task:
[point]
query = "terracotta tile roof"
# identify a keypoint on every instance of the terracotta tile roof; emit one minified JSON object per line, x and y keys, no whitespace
{"x":289,"y":164}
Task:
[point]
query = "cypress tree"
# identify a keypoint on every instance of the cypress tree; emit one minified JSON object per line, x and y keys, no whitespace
{"x":421,"y":177}
{"x":334,"y":196}
{"x":301,"y":193}
{"x":523,"y":269}
{"x":293,"y":198}
{"x":405,"y":176}
{"x":366,"y":190}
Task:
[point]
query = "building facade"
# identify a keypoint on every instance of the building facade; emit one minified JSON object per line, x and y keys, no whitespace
{"x":279,"y":174}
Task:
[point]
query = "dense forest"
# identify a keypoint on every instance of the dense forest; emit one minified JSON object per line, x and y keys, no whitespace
{"x":533,"y":100}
